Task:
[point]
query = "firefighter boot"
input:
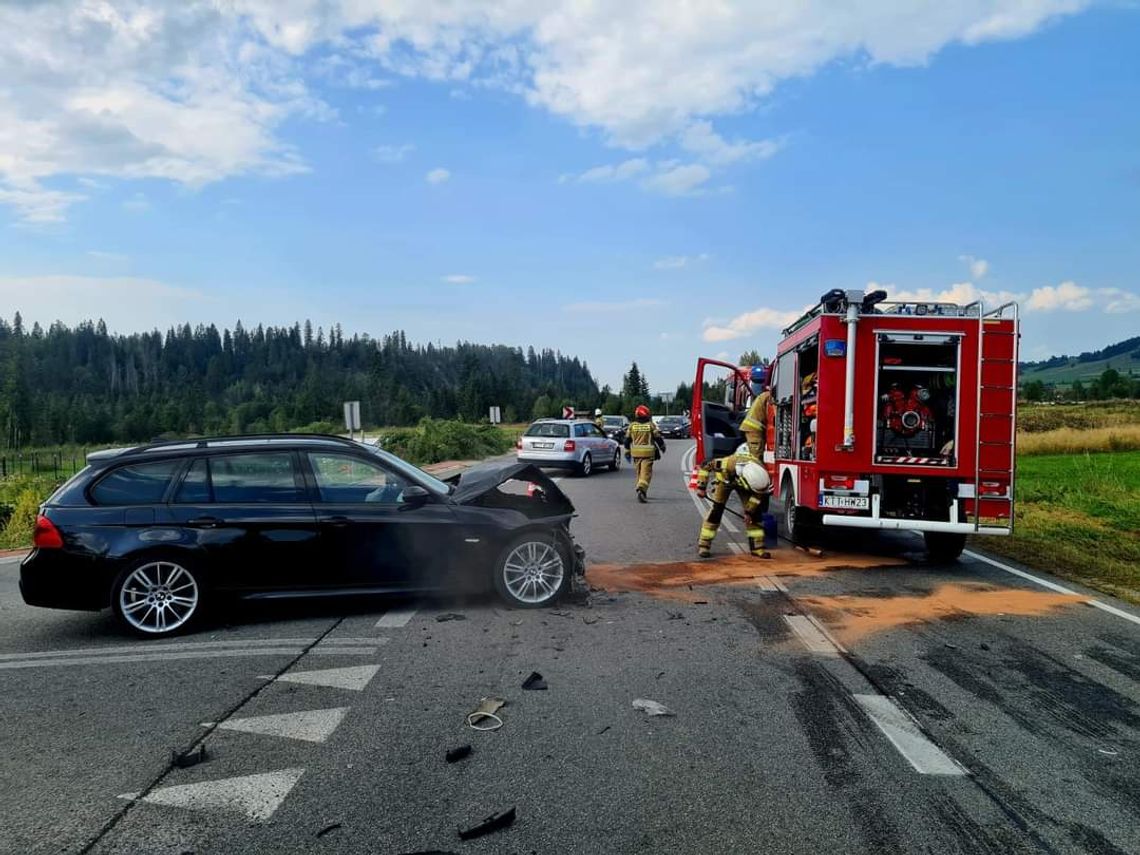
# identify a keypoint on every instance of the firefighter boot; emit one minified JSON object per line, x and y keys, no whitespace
{"x":641,"y":495}
{"x":756,"y":548}
{"x":704,"y":550}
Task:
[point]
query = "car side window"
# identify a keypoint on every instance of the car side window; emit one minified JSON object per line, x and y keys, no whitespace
{"x":344,"y":478}
{"x":592,"y":430}
{"x":137,"y":484}
{"x":580,"y":430}
{"x":195,"y":486}
{"x":263,"y":477}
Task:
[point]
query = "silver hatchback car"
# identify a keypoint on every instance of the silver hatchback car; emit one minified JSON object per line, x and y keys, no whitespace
{"x":568,"y":444}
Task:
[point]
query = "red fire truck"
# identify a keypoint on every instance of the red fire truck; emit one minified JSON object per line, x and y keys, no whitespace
{"x":884,"y":416}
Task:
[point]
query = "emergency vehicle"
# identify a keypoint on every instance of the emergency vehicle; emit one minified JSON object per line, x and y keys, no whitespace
{"x":885,"y":415}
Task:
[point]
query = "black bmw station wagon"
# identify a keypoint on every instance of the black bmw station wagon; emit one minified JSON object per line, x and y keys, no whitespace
{"x":157,"y":531}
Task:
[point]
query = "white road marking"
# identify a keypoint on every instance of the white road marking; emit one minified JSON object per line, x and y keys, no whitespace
{"x":308,"y":725}
{"x":354,"y":678}
{"x":770,"y":585}
{"x":396,"y":618}
{"x":255,"y":796}
{"x":171,"y":657}
{"x":150,"y":647}
{"x":814,"y":636}
{"x":1052,"y":586}
{"x":904,"y":733}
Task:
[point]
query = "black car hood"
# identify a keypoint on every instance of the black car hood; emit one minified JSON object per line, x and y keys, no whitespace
{"x":480,"y":480}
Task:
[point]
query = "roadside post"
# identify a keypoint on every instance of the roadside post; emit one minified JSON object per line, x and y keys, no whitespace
{"x":496,"y":416}
{"x":352,"y":417}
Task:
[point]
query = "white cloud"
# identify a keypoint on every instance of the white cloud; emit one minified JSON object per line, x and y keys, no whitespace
{"x":748,"y":323}
{"x":126,"y":303}
{"x":959,"y":292}
{"x":676,"y":262}
{"x":678,"y":180}
{"x":615,"y":172}
{"x":197,"y":91}
{"x":601,"y":307}
{"x":1118,"y":302}
{"x":392,"y":153}
{"x":437,"y":176}
{"x":979,"y":267}
{"x":459,"y":278}
{"x":1068,"y":296}
{"x":700,"y":139}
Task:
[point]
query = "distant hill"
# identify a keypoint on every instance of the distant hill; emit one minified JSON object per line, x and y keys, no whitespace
{"x":1066,"y":370}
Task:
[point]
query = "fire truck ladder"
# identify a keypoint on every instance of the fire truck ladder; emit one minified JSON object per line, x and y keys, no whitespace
{"x":996,"y":462}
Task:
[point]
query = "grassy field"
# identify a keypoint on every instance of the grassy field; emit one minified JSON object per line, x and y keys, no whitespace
{"x":1078,"y":515}
{"x":1086,"y":372}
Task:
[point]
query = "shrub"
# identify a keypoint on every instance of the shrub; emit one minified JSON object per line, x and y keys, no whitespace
{"x":435,"y":440}
{"x":18,"y":529}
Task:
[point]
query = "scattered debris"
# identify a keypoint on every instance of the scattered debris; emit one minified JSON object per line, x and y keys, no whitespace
{"x":332,"y":826}
{"x":603,"y":730}
{"x":560,"y":613}
{"x":494,"y":822}
{"x":486,"y":712}
{"x":700,"y":602}
{"x":1108,"y":752}
{"x":534,"y":682}
{"x":660,"y":674}
{"x":590,"y":620}
{"x":652,"y":707}
{"x":459,"y":753}
{"x":951,"y":646}
{"x":676,"y":615}
{"x":811,"y":550}
{"x":186,"y":759}
{"x":449,"y":616}
{"x":984,"y":646}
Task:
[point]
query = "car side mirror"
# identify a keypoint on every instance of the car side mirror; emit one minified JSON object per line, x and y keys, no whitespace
{"x":414,"y":495}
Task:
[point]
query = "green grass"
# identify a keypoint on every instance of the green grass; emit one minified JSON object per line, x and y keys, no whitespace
{"x":1079,"y":515}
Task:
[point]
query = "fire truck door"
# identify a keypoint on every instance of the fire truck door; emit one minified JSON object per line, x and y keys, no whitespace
{"x":719,"y":397}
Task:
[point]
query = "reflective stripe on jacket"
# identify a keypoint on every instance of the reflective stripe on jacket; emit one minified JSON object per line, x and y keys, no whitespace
{"x":757,"y":417}
{"x":642,"y":439}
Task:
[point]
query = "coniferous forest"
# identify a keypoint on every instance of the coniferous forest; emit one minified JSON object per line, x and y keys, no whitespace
{"x":84,"y":385}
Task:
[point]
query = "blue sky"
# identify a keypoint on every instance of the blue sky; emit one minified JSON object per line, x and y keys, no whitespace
{"x":645,"y":182}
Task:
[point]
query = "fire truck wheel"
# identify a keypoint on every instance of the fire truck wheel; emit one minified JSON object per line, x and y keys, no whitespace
{"x":798,"y":521}
{"x":944,"y":546}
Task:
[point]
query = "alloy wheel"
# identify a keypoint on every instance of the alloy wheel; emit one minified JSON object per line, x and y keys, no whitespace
{"x":159,"y":597}
{"x":533,"y":572}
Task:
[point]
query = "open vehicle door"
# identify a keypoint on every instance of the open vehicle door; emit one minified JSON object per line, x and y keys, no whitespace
{"x":720,"y":396}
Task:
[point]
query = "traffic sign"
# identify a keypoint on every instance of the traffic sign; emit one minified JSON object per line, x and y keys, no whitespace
{"x":567,"y":412}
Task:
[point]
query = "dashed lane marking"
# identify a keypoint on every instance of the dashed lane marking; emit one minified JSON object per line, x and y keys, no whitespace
{"x":1052,"y":586}
{"x":150,"y":647}
{"x":256,"y":797}
{"x":769,"y":585}
{"x":906,"y":736}
{"x":396,"y":618}
{"x":307,"y":725}
{"x":189,"y":654}
{"x":354,"y":678}
{"x":814,"y":637}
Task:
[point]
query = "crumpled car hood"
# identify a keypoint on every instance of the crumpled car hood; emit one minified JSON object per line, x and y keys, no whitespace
{"x":480,"y":480}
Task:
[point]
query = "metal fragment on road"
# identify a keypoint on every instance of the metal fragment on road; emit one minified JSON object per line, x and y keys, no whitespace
{"x":652,"y":707}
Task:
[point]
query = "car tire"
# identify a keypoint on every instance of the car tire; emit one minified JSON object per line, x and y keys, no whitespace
{"x":586,"y":467}
{"x":798,"y":520}
{"x":615,"y":465}
{"x":532,"y":571}
{"x":944,"y":547}
{"x":159,"y":596}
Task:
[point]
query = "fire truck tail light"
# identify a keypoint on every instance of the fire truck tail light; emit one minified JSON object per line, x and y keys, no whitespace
{"x":569,"y":445}
{"x":840,"y":482}
{"x":846,"y":484}
{"x":993,"y":488}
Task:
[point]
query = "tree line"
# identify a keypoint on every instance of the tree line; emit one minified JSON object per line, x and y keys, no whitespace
{"x":84,"y":385}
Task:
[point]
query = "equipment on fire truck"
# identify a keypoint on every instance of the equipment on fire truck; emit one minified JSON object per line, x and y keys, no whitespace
{"x":907,"y":413}
{"x":809,"y":386}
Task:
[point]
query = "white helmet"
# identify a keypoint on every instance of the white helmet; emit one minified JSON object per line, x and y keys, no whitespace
{"x":743,"y":450}
{"x":597,"y":412}
{"x":755,"y":477}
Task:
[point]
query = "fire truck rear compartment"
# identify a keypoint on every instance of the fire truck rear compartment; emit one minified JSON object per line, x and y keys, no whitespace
{"x":903,"y":497}
{"x":916,"y":410}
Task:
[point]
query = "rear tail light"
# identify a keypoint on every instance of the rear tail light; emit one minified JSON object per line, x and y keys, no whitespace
{"x":569,"y":445}
{"x":46,"y":535}
{"x":841,"y":482}
{"x":993,"y":488}
{"x":518,"y":443}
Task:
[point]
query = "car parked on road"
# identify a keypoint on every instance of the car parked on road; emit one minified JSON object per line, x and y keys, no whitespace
{"x":568,"y":444}
{"x":158,"y":531}
{"x":674,"y":427}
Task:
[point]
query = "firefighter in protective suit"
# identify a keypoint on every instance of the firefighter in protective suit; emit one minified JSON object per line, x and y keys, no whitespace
{"x":644,"y":444}
{"x":755,"y":424}
{"x":745,"y":475}
{"x":599,"y":422}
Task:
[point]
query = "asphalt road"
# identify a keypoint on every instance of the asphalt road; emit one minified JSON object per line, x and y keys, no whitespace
{"x":865,"y":701}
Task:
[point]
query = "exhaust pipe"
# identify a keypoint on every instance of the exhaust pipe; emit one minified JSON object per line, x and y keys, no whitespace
{"x":854,"y":301}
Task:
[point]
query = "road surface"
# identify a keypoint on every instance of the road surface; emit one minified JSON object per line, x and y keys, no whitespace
{"x":866,"y":701}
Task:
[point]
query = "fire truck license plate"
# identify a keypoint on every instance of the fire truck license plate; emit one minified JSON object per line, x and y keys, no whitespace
{"x":846,"y":503}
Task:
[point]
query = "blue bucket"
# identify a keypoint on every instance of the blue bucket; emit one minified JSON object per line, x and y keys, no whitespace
{"x":769,"y":531}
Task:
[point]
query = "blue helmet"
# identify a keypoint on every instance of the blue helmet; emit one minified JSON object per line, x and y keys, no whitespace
{"x":760,"y":374}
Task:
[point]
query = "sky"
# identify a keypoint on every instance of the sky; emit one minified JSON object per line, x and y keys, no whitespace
{"x":651,"y":180}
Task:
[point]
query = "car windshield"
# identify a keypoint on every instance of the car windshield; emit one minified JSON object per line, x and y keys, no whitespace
{"x":548,"y":429}
{"x":415,"y":473}
{"x":613,"y":421}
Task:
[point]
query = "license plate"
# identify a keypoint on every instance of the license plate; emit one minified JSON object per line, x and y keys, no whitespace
{"x":846,"y":503}
{"x":543,"y":445}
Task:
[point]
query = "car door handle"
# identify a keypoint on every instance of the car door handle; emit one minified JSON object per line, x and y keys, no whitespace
{"x":203,"y":522}
{"x":337,"y":521}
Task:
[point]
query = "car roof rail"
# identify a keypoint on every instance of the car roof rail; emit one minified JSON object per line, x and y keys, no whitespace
{"x":208,"y":441}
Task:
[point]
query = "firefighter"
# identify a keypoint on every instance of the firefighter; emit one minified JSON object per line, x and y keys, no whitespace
{"x":644,"y":444}
{"x":745,"y":475}
{"x":755,"y":424}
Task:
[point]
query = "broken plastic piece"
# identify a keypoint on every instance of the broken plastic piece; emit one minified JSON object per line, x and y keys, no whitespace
{"x":652,"y":707}
{"x":190,"y":758}
{"x":534,"y":682}
{"x":494,"y":822}
{"x":457,"y":754}
{"x":486,"y":712}
{"x":450,"y":616}
{"x":332,"y":826}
